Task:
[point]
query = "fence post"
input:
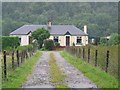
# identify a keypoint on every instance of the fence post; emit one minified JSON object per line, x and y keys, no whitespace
{"x":83,"y":52}
{"x":17,"y":55}
{"x":5,"y":69}
{"x":107,"y":61}
{"x":13,"y":59}
{"x":21,"y":57}
{"x":26,"y":54}
{"x":96,"y":53}
{"x":88,"y":55}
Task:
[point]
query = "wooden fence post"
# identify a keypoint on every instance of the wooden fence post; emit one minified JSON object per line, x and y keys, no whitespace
{"x":88,"y":55}
{"x":13,"y":59}
{"x":5,"y":69}
{"x":26,"y":54}
{"x":83,"y":52}
{"x":21,"y":55}
{"x":96,"y":54}
{"x":107,"y":61}
{"x":17,"y":55}
{"x":79,"y":52}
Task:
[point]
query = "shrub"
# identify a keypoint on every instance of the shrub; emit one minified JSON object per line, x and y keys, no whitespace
{"x":49,"y":44}
{"x":21,"y":48}
{"x":103,"y":41}
{"x":57,"y":44}
{"x":114,"y":39}
{"x":73,"y":44}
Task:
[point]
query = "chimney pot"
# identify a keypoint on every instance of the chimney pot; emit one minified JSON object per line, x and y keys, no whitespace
{"x":49,"y":23}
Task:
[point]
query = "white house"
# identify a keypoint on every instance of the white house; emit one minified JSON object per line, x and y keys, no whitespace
{"x":66,"y":35}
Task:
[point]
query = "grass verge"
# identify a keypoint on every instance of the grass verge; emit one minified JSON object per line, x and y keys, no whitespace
{"x":19,"y":76}
{"x":55,"y":73}
{"x":99,"y":77}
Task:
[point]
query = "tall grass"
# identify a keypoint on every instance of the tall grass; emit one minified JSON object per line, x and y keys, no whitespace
{"x":101,"y":58}
{"x":19,"y":75}
{"x":99,"y":77}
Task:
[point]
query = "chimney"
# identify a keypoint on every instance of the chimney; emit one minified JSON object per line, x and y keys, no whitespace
{"x":85,"y":29}
{"x":49,"y":24}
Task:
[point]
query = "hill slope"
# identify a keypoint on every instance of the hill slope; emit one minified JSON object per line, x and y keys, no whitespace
{"x":101,"y":18}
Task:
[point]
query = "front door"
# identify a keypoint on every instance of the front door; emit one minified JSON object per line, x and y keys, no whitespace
{"x":67,"y":40}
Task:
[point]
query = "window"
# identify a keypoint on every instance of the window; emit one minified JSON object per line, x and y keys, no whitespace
{"x":79,"y":40}
{"x":55,"y":38}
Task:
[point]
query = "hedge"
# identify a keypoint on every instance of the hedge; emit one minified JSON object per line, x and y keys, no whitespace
{"x":9,"y":42}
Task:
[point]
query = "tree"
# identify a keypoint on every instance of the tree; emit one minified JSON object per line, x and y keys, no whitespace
{"x":40,"y":35}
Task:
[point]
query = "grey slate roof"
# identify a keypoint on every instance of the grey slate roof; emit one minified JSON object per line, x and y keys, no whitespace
{"x":55,"y":29}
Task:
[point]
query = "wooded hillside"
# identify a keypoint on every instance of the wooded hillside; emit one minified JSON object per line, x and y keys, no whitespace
{"x":101,"y":18}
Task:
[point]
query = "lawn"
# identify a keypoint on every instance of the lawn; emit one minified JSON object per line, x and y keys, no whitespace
{"x":99,"y":77}
{"x":20,"y":74}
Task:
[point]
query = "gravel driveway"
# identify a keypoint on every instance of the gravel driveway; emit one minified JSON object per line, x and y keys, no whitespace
{"x":40,"y":75}
{"x":74,"y":79}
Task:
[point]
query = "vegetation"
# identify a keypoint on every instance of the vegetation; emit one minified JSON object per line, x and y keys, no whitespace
{"x":61,"y":86}
{"x":101,"y":17}
{"x":99,"y":77}
{"x":26,"y":47}
{"x":57,"y":44}
{"x":55,"y":73}
{"x":19,"y":76}
{"x":101,"y":57}
{"x":9,"y":42}
{"x":48,"y":44}
{"x":114,"y":40}
{"x":40,"y":35}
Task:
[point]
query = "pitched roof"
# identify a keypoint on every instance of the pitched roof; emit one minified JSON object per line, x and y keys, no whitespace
{"x":54,"y":30}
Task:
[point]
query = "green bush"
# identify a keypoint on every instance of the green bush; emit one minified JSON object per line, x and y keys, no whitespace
{"x":49,"y":44}
{"x":57,"y":44}
{"x":21,"y":48}
{"x":114,"y":39}
{"x":103,"y":41}
{"x":9,"y":41}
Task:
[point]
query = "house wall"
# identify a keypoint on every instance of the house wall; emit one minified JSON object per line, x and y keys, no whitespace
{"x":24,"y":40}
{"x":51,"y":37}
{"x":84,"y":40}
{"x":61,"y":40}
{"x":73,"y":39}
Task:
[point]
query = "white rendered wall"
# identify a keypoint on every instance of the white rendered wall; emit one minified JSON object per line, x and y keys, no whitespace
{"x":24,"y":40}
{"x":84,"y":40}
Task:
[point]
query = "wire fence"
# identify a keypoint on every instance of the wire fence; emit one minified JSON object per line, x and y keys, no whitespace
{"x":106,"y":58}
{"x":13,"y":59}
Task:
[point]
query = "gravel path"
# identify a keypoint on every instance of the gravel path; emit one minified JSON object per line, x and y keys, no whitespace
{"x":40,"y":74}
{"x":74,"y":78}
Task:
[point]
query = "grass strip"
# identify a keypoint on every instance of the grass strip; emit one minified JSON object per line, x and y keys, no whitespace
{"x":19,"y":76}
{"x":56,"y":74}
{"x":99,"y":77}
